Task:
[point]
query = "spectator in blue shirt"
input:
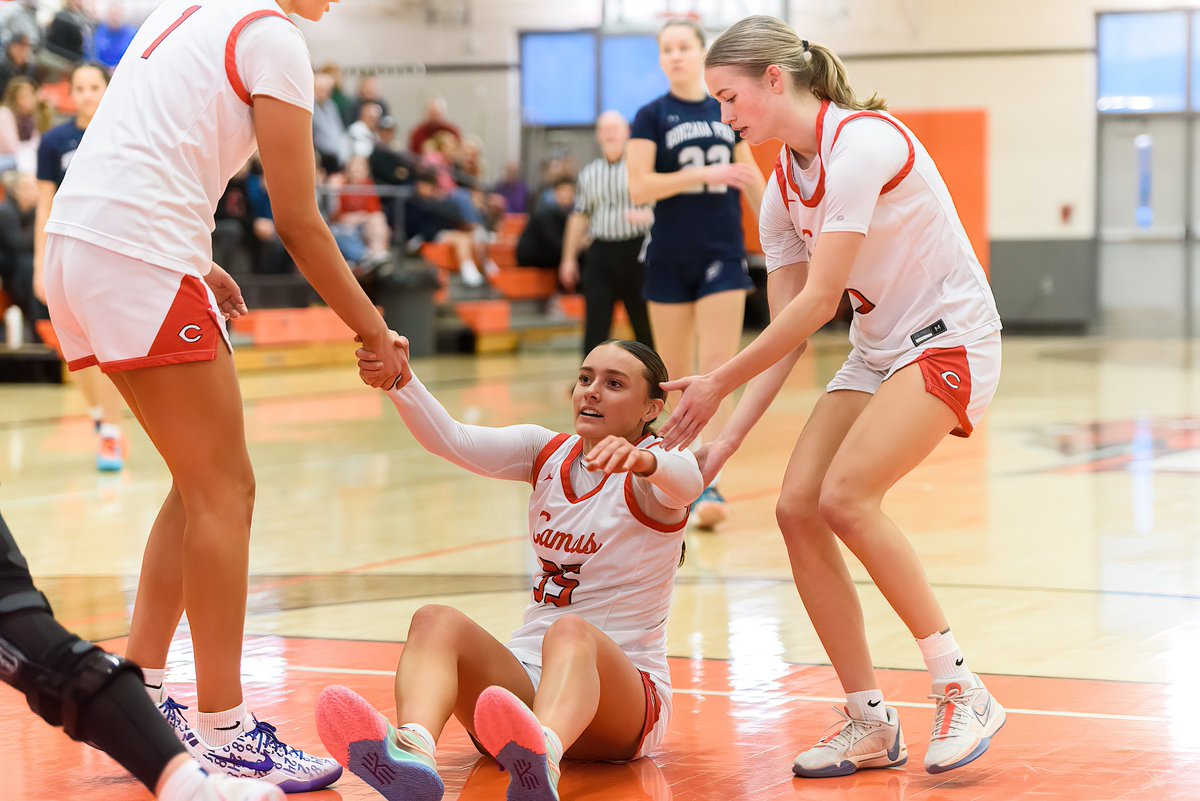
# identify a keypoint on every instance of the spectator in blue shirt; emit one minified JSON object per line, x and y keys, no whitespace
{"x":111,"y":38}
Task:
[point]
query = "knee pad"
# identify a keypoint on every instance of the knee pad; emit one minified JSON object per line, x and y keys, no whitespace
{"x":60,"y":683}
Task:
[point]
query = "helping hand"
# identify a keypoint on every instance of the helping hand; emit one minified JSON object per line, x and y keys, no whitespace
{"x":701,"y":399}
{"x":383,"y":361}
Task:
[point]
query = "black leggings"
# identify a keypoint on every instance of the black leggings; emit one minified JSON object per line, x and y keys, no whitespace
{"x":612,"y":272}
{"x":49,"y":664}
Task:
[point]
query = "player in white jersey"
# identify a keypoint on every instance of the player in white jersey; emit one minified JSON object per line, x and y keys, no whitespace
{"x":586,"y":674}
{"x":856,"y":205}
{"x":131,"y":286}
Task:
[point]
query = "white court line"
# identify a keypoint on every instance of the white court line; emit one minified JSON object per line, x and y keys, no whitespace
{"x":804,"y":699}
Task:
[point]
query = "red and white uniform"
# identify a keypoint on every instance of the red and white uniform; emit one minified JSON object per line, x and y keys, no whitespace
{"x":174,"y":126}
{"x":918,"y":291}
{"x":607,"y":546}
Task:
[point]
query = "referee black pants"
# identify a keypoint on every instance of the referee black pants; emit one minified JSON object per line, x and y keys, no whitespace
{"x":612,"y":272}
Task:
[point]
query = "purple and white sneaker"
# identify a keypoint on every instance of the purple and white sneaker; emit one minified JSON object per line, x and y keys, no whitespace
{"x":257,"y":753}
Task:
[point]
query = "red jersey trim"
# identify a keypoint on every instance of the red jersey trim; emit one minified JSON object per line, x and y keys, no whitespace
{"x":653,"y":709}
{"x":564,"y":472}
{"x":231,"y":72}
{"x":912,"y":153}
{"x":544,"y":454}
{"x":182,"y":18}
{"x":936,"y":364}
{"x":786,"y":162}
{"x":646,"y":520}
{"x":80,"y":364}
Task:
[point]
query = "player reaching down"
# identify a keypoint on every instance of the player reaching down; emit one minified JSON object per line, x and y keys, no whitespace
{"x":131,"y":287}
{"x":856,"y":205}
{"x":586,"y":674}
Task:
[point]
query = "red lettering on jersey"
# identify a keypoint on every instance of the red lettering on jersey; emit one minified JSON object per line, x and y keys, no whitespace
{"x":864,"y":306}
{"x":555,"y":587}
{"x":567,"y":543}
{"x":806,"y":232}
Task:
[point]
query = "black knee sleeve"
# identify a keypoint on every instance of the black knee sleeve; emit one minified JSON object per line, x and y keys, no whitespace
{"x":59,"y":673}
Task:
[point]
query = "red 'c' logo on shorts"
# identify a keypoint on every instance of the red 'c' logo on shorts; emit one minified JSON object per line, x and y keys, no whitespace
{"x":952,"y":380}
{"x":187,"y":330}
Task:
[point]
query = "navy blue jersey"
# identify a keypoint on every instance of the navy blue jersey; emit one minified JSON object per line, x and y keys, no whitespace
{"x":704,"y":223}
{"x":57,"y":147}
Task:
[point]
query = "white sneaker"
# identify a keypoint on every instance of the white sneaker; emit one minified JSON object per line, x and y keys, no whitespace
{"x":470,"y":274}
{"x":219,"y":787}
{"x":859,"y":744}
{"x":967,"y":718}
{"x":257,"y":753}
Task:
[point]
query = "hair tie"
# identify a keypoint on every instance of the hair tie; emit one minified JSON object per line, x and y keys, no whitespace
{"x":804,"y":44}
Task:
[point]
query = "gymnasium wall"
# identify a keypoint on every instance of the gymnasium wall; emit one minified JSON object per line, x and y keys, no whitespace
{"x":1029,"y":65}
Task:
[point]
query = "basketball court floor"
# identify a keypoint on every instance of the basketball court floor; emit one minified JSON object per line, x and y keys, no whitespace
{"x":1063,"y":539}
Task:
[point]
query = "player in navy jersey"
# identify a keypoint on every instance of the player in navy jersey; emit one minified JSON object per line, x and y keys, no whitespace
{"x":693,"y":167}
{"x":58,"y":145}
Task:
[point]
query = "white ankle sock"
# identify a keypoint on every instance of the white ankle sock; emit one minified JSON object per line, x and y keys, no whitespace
{"x":866,"y":705}
{"x":221,"y":728}
{"x":424,"y":739}
{"x":943,"y":657}
{"x":184,"y":784}
{"x":153,"y":679}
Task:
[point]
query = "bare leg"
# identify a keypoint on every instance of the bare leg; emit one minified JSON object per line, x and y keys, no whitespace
{"x":448,"y":660}
{"x":719,"y":320}
{"x":818,"y":568}
{"x":674,"y":327}
{"x":899,"y":428}
{"x":193,"y":414}
{"x":590,"y":694}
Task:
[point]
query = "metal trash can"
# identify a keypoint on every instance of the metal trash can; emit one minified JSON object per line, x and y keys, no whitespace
{"x":406,"y":295}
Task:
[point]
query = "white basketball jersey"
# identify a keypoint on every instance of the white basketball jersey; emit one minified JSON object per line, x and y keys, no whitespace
{"x":916,"y":282}
{"x":175,"y":125}
{"x":600,"y":558}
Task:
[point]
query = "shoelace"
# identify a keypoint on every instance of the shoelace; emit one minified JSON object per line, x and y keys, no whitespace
{"x":960,"y":719}
{"x":264,"y":733}
{"x":173,"y":710}
{"x":851,"y":730}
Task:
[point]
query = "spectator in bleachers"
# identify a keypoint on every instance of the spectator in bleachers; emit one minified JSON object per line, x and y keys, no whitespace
{"x":513,"y":190}
{"x":541,"y":243}
{"x":21,"y":20}
{"x":433,"y":215}
{"x":368,"y":92}
{"x":329,"y":132}
{"x":345,"y":103}
{"x":113,"y":37}
{"x":390,"y":166}
{"x":18,"y":212}
{"x":272,"y":256}
{"x":69,"y":34}
{"x":17,"y":61}
{"x":359,"y":207}
{"x":22,"y":121}
{"x":364,"y":132}
{"x":234,"y":226}
{"x":435,"y":122}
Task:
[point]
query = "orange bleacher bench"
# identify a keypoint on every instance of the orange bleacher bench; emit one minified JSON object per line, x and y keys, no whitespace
{"x":314,"y":324}
{"x":485,"y":316}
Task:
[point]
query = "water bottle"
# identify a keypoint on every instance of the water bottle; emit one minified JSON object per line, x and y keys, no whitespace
{"x":14,"y":327}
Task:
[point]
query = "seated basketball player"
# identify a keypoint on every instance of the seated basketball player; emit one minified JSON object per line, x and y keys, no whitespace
{"x":586,"y":674}
{"x":97,"y":697}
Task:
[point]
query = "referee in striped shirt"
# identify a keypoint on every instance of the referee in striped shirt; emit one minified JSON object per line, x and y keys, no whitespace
{"x":604,"y":213}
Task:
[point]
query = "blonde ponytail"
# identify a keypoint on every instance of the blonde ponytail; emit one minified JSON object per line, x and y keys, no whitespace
{"x":757,"y":42}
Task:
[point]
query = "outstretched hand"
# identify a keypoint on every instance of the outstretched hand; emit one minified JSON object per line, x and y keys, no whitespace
{"x":700,"y":401}
{"x":616,"y":454}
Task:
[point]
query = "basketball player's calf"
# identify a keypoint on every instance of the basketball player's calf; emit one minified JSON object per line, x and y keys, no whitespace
{"x":94,"y":696}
